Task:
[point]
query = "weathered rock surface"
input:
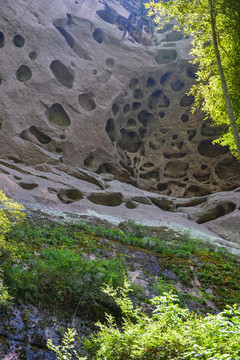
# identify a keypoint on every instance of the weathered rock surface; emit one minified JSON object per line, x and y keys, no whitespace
{"x":95,"y":85}
{"x":64,"y":192}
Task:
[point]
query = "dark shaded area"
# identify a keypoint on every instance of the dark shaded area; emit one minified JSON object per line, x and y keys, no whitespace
{"x":62,"y":74}
{"x":86,"y":101}
{"x":58,"y":116}
{"x":98,"y":35}
{"x":2,"y":39}
{"x":23,"y":73}
{"x":217,"y":211}
{"x":206,"y":148}
{"x":41,"y":136}
{"x":111,"y":199}
{"x":111,"y":129}
{"x":18,"y":40}
{"x":69,"y":39}
{"x":129,"y":141}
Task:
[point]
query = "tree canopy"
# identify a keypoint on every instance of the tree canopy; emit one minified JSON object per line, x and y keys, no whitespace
{"x":215,"y":28}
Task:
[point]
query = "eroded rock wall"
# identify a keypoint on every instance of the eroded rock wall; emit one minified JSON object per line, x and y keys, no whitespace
{"x":94,"y":84}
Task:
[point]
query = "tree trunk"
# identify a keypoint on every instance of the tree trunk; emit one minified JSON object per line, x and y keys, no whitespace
{"x":223,"y":81}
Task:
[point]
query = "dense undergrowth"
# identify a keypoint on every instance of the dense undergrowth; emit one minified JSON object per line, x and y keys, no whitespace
{"x":73,"y":268}
{"x":63,"y":267}
{"x":169,"y":332}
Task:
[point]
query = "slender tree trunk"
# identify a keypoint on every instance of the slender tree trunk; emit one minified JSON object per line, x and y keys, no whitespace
{"x":223,"y":81}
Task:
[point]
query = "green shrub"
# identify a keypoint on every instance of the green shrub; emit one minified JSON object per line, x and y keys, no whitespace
{"x":169,"y":333}
{"x":60,"y":277}
{"x":10,"y":214}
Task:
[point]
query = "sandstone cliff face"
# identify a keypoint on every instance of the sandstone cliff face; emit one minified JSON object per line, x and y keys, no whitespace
{"x":94,"y":84}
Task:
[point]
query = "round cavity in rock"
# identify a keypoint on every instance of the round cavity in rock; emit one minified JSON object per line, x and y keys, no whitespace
{"x":133,"y":83}
{"x":136,"y":105}
{"x":161,"y":114}
{"x":131,"y":122}
{"x":115,"y":108}
{"x":201,"y":177}
{"x":62,"y":137}
{"x":176,"y":169}
{"x":164,"y":78}
{"x":206,"y":148}
{"x":145,"y":118}
{"x":162,"y":186}
{"x":163,"y":130}
{"x":150,"y":176}
{"x":166,"y":55}
{"x":146,"y":165}
{"x":130,"y":205}
{"x":18,"y":40}
{"x":69,"y":39}
{"x":177,"y":85}
{"x":98,"y":35}
{"x":111,"y":129}
{"x":62,"y":74}
{"x":174,"y":137}
{"x":187,"y":100}
{"x":156,"y":143}
{"x":110,"y":63}
{"x":157,"y":100}
{"x":57,"y":116}
{"x":216,"y":211}
{"x":28,"y":186}
{"x":142,"y":131}
{"x":41,"y":136}
{"x":150,"y":82}
{"x":191,"y":134}
{"x":174,"y":155}
{"x":23,"y":73}
{"x":191,"y":73}
{"x":195,"y":191}
{"x":227,"y":168}
{"x":67,"y":196}
{"x":138,"y":94}
{"x":129,"y":141}
{"x":211,"y":129}
{"x":86,"y":101}
{"x":89,"y":159}
{"x":32,"y":55}
{"x":126,"y":109}
{"x":204,"y":166}
{"x":184,"y":117}
{"x":106,"y":168}
{"x":2,"y":39}
{"x":106,"y":16}
{"x":106,"y":199}
{"x":58,"y":150}
{"x":94,"y":71}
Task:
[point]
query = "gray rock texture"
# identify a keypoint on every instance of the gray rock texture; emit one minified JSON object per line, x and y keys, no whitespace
{"x":94,"y":84}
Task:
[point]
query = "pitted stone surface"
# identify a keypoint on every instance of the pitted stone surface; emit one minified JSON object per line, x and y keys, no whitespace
{"x":94,"y":84}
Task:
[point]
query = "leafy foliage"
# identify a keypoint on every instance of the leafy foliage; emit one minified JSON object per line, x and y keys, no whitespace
{"x":194,"y":18}
{"x":169,"y":332}
{"x":64,"y":266}
{"x":66,"y":351}
{"x":10,"y":213}
{"x":57,"y":266}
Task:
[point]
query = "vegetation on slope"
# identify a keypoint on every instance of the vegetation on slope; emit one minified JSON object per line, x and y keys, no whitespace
{"x":72,"y":267}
